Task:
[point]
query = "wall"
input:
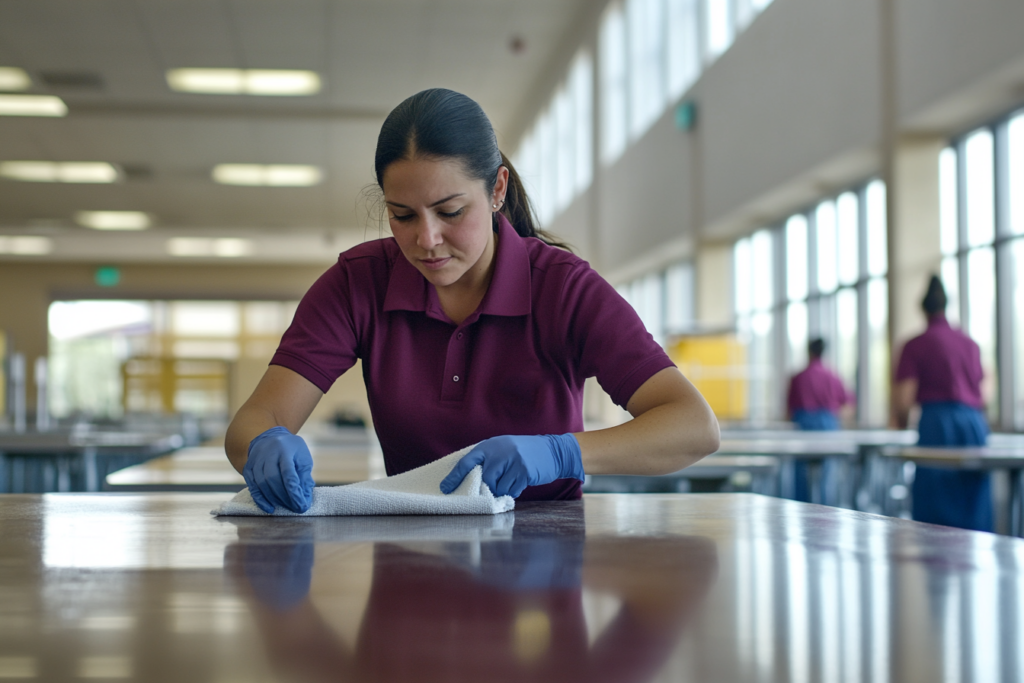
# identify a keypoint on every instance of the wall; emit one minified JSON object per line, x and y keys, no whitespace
{"x":792,"y":112}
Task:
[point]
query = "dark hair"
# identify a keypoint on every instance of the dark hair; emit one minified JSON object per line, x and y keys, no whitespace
{"x":444,"y":124}
{"x":935,"y":300}
{"x":816,"y":347}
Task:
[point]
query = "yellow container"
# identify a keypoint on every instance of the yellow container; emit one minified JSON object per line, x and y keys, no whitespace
{"x":717,"y":366}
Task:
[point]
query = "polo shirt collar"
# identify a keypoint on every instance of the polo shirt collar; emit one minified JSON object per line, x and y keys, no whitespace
{"x":508,"y":294}
{"x":938,"y":320}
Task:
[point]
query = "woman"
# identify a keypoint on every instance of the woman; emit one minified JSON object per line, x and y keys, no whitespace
{"x":941,"y":370}
{"x":471,"y":327}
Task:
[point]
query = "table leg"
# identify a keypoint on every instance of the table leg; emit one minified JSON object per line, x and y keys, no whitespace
{"x":1016,"y":503}
{"x":90,"y":465}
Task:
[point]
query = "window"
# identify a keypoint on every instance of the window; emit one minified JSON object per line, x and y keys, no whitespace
{"x":827,"y":289}
{"x":755,"y":291}
{"x":683,"y":49}
{"x":650,"y":52}
{"x":663,"y":300}
{"x":719,"y":27}
{"x":646,"y":22}
{"x":612,"y":63}
{"x":982,"y":233}
{"x":581,"y":87}
{"x":555,"y":157}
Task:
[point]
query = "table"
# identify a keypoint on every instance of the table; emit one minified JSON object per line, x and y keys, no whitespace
{"x":1010,"y":460}
{"x":74,"y":460}
{"x":207,"y":469}
{"x":761,"y":469}
{"x":674,"y":587}
{"x":808,"y":447}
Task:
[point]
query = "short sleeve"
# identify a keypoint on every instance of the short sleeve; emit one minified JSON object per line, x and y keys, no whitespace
{"x":321,"y":343}
{"x":607,"y":337}
{"x":907,"y":367}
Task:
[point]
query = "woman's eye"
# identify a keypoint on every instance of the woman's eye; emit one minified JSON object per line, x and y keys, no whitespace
{"x":404,"y":218}
{"x":452,"y":214}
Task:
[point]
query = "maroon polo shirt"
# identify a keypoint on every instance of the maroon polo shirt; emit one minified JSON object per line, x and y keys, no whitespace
{"x":817,"y":388}
{"x":515,"y":366}
{"x":946,"y":364}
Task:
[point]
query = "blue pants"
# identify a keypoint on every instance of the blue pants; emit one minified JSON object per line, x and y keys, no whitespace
{"x":811,"y":421}
{"x":952,"y":497}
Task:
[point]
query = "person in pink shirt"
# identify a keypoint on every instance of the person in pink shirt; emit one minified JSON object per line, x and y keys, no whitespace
{"x":473,"y":327}
{"x":816,"y":394}
{"x":940,"y":370}
{"x":814,"y":401}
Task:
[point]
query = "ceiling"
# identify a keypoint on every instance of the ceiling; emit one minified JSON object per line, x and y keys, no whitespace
{"x":107,"y":59}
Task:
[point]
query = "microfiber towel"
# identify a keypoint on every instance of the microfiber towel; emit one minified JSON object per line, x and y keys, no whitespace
{"x":416,"y":492}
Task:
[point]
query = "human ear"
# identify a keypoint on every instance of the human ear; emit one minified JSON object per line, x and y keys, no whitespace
{"x":500,"y":187}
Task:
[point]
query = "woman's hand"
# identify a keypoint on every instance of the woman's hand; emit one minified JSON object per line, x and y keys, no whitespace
{"x":279,"y":470}
{"x":511,"y":463}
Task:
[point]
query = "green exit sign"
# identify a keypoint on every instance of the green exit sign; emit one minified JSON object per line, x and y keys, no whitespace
{"x":686,"y":115}
{"x":108,"y":276}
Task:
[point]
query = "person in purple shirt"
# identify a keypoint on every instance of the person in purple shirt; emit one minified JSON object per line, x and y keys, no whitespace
{"x":941,"y":371}
{"x":473,"y":327}
{"x":816,"y":394}
{"x":815,"y":398}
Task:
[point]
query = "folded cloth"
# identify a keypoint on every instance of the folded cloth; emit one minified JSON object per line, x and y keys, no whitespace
{"x":416,"y":492}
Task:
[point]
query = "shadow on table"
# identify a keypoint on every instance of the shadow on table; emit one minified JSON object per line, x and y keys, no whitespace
{"x":474,"y":598}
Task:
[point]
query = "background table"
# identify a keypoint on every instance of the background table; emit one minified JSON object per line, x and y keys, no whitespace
{"x":715,"y":587}
{"x":72,"y":460}
{"x":1006,"y":458}
{"x":206,"y":469}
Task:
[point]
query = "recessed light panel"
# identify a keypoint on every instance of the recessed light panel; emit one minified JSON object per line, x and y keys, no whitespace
{"x":12,"y":78}
{"x":223,"y":247}
{"x":59,"y":172}
{"x":273,"y":175}
{"x":32,"y":105}
{"x":272,"y":82}
{"x":113,"y":220}
{"x":25,"y":245}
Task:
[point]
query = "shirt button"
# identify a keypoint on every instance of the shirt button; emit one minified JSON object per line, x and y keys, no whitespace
{"x":455,"y":378}
{"x":460,"y":335}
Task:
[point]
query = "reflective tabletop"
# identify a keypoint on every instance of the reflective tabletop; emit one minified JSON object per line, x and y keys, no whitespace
{"x":702,"y":587}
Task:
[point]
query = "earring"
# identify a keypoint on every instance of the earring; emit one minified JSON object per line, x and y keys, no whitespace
{"x":494,"y":206}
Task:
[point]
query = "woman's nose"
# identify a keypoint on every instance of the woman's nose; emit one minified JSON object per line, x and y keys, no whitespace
{"x":428,"y":235}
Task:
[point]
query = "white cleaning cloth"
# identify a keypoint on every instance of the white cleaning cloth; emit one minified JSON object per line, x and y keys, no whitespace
{"x":416,"y":492}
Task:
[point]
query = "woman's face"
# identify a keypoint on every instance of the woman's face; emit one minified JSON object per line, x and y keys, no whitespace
{"x":441,"y":219}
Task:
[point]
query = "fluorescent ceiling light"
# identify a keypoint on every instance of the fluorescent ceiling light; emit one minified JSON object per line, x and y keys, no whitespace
{"x":279,"y":82}
{"x":224,"y":247}
{"x":32,"y":105}
{"x":275,"y":175}
{"x":113,"y":220}
{"x":12,"y":78}
{"x":59,"y":172}
{"x":25,"y":245}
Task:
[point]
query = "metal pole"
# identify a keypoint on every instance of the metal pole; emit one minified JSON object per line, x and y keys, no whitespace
{"x":42,"y":401}
{"x":17,"y":367}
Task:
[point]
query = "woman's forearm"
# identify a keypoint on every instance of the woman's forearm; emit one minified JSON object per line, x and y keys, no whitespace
{"x":673,"y":428}
{"x":283,"y":398}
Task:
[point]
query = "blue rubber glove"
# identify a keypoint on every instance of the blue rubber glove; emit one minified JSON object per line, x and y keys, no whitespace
{"x":511,"y":463}
{"x":279,"y":471}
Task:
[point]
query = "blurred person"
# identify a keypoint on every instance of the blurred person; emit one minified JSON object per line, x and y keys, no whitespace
{"x":940,"y":370}
{"x":473,"y":327}
{"x":817,"y":400}
{"x":817,"y":397}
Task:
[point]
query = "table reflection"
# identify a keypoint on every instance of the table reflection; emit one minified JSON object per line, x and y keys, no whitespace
{"x":498,"y":605}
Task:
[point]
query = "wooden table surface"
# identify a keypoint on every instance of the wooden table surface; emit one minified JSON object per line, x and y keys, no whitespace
{"x":713,"y":587}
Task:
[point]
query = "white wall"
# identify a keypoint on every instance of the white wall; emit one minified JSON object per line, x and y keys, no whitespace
{"x":790,"y":113}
